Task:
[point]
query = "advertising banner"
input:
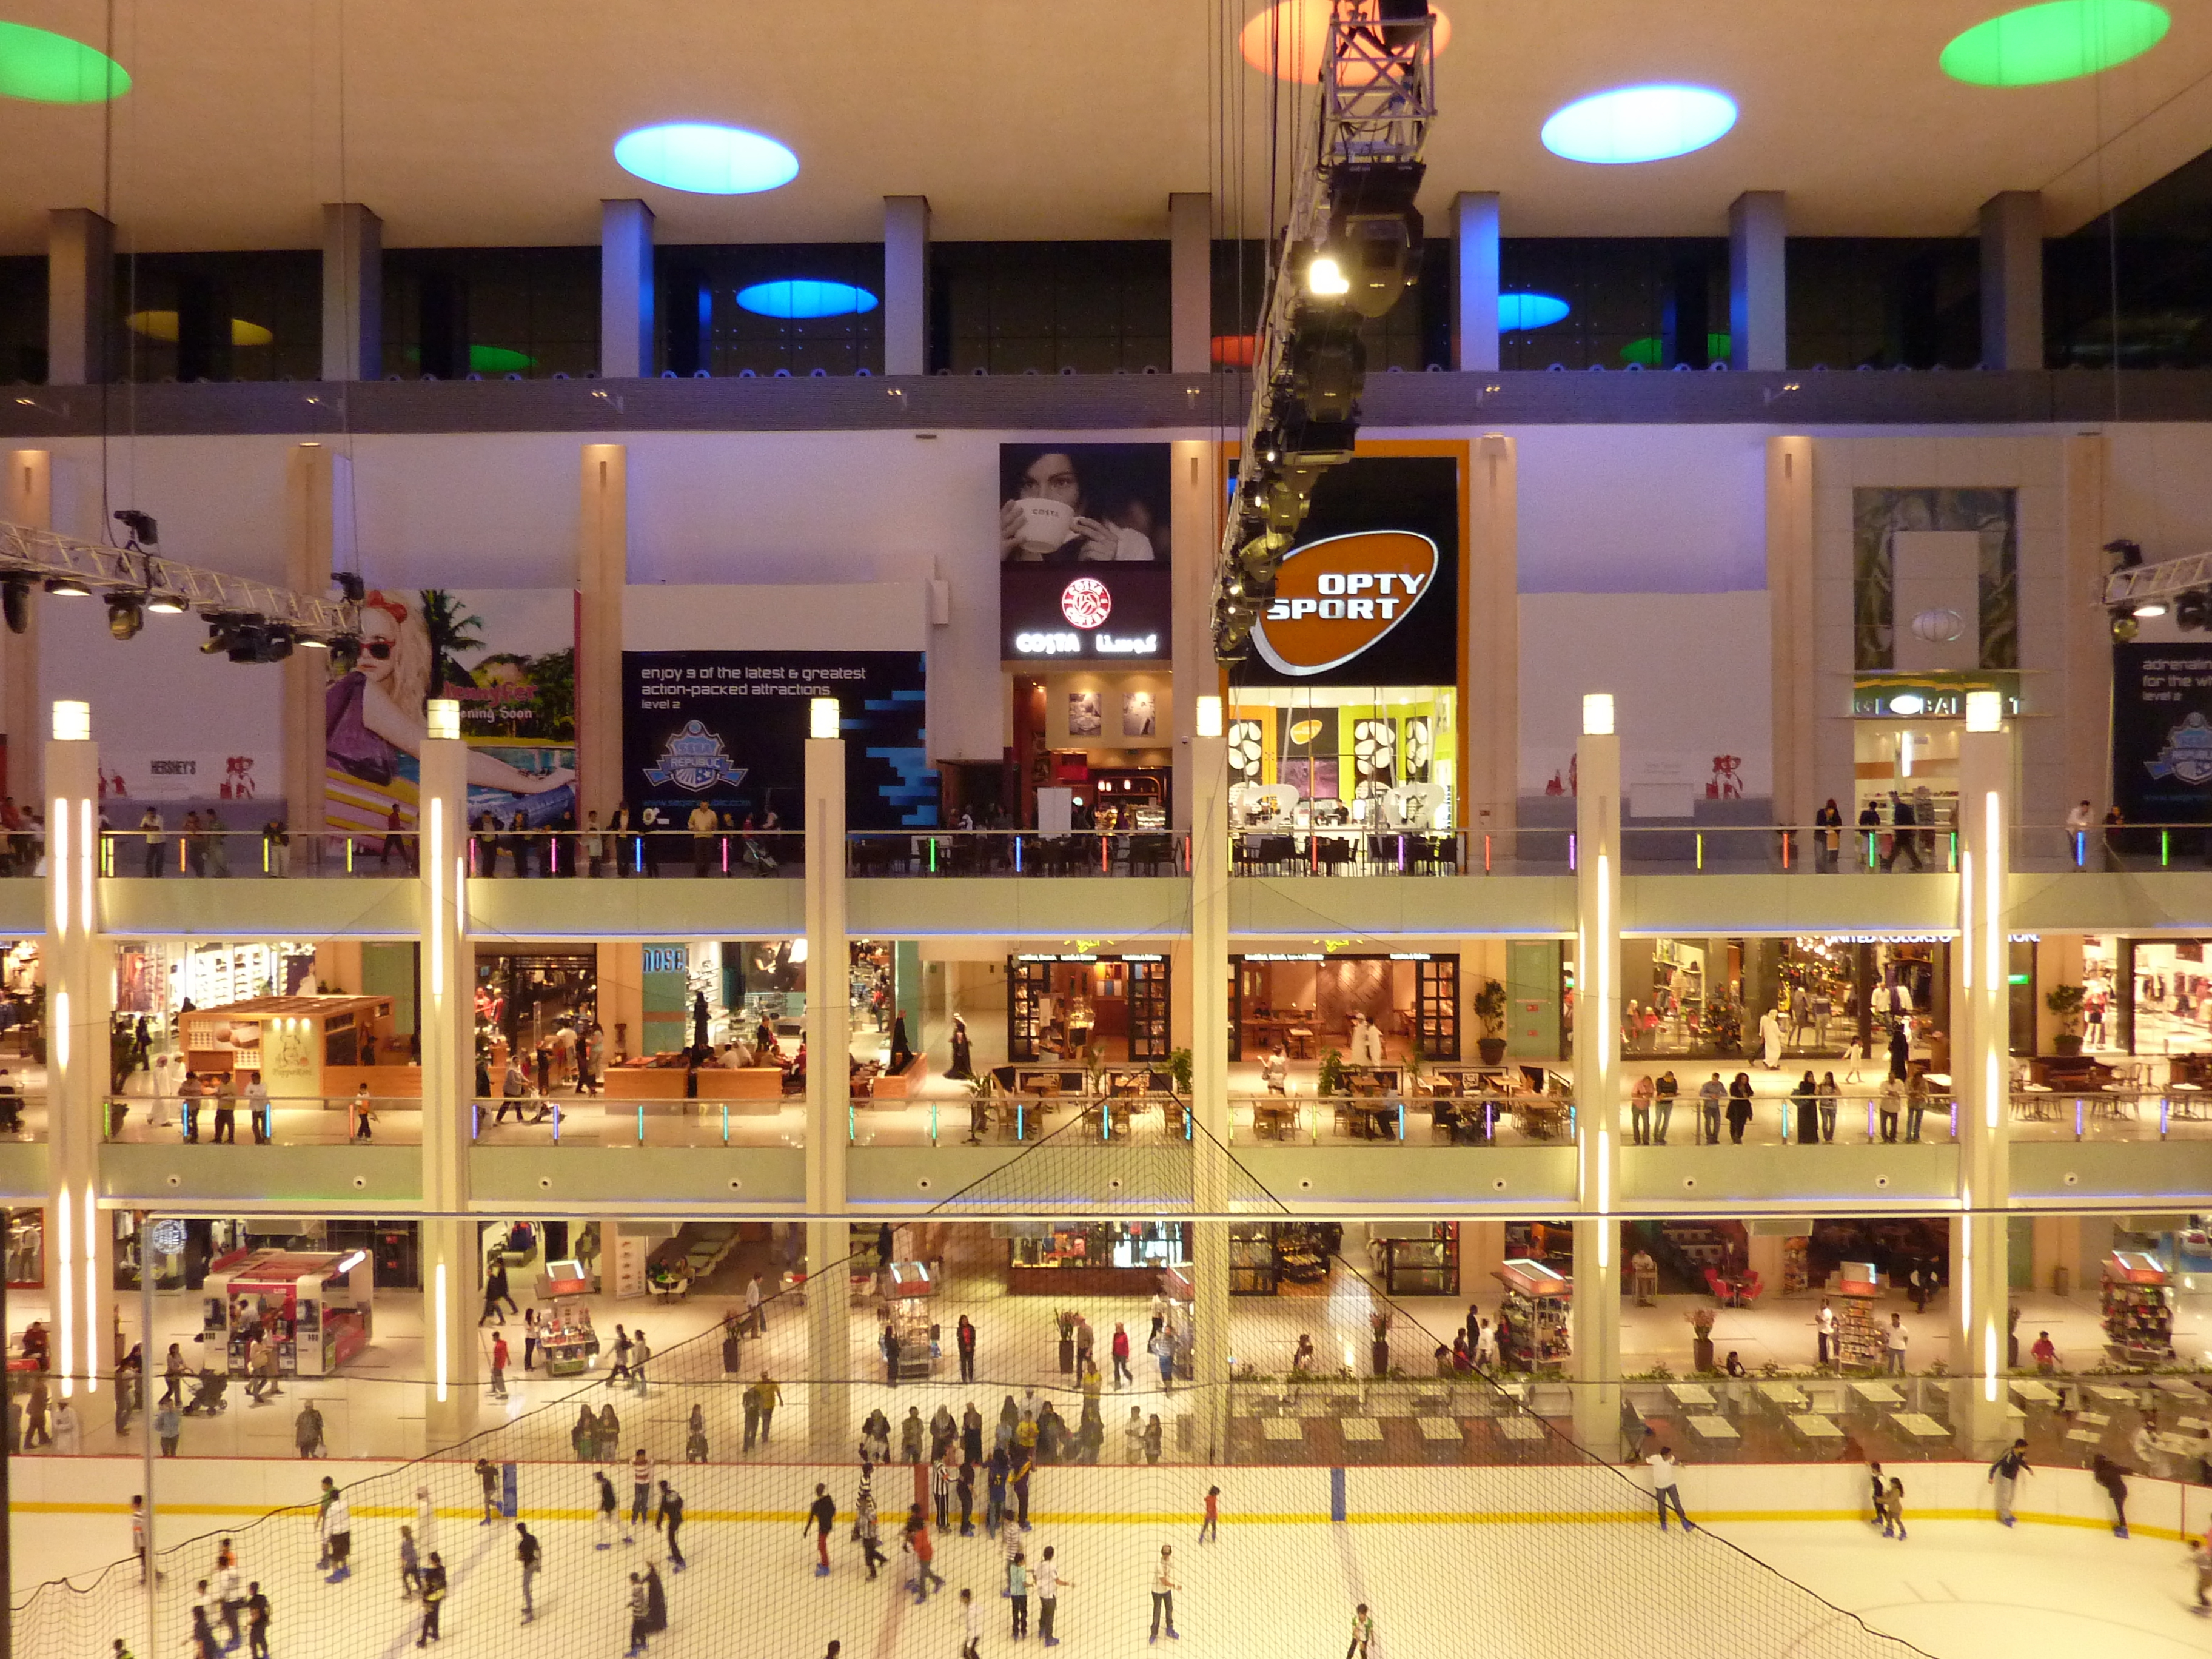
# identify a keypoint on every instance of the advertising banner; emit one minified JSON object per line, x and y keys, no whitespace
{"x":1083,"y":549}
{"x":507,"y":655}
{"x":1370,"y":596}
{"x":2162,"y":732}
{"x":729,"y":728}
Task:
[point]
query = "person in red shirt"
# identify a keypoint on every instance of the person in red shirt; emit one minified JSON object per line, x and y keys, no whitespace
{"x":498,"y":1366}
{"x":1120,"y":1356}
{"x":924,"y":1552}
{"x":1209,"y":1530}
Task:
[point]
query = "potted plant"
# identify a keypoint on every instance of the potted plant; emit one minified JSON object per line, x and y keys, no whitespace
{"x":1378,"y":1352}
{"x":1331,"y":1079}
{"x":1490,"y":1009}
{"x":1065,"y":1318}
{"x":1179,"y":1070}
{"x":1701,"y":1327}
{"x":2065,"y":1001}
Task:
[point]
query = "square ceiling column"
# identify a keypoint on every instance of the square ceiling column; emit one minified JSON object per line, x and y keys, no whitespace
{"x":1758,"y":323}
{"x":2012,"y":280}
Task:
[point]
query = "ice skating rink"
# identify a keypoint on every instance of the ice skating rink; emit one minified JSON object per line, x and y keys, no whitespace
{"x":1483,"y":1561}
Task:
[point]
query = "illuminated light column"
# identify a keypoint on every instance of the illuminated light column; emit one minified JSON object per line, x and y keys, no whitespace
{"x":1981,"y":1043}
{"x":79,"y":989}
{"x":450,"y":1288}
{"x":1595,"y":1364}
{"x":828,"y":1088}
{"x":1209,"y":1070}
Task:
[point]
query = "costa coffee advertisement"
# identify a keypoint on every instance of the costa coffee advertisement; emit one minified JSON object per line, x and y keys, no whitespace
{"x":1083,"y":552}
{"x":1370,"y":596}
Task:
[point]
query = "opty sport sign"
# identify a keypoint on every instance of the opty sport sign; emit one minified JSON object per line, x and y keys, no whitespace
{"x":1336,"y":597}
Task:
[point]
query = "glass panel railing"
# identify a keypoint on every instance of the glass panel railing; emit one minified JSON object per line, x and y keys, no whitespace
{"x":2108,"y":847}
{"x":570,"y":1121}
{"x":1417,"y":1120}
{"x":278,"y":1120}
{"x":1016,"y":853}
{"x":714,"y":854}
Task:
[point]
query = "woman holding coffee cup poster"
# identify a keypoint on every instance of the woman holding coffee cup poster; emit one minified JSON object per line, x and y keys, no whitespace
{"x":1084,"y":504}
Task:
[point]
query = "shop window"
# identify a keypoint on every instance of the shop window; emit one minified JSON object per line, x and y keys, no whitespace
{"x":1649,"y":302}
{"x":451,"y":313}
{"x":1884,"y":302}
{"x":2128,"y":290}
{"x":1436,"y":1005}
{"x":219,"y":316}
{"x":1045,"y":308}
{"x":790,"y":308}
{"x":23,"y":319}
{"x":1355,"y":755}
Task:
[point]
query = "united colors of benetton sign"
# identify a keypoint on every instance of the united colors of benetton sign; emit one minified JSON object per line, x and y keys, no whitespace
{"x":1336,"y":597}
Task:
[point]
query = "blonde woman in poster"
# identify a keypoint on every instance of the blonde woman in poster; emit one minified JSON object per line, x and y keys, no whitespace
{"x":374,"y":721}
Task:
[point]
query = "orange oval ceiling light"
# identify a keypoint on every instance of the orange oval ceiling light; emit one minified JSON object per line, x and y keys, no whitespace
{"x":1290,"y":34}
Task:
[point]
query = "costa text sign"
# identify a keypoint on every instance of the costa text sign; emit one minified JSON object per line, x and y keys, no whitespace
{"x":1336,"y":598}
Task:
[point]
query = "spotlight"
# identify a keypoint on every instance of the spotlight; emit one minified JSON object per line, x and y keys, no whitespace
{"x":313,"y":642}
{"x":15,"y":602}
{"x":350,"y":585}
{"x":165,"y":604}
{"x":345,"y":654}
{"x":248,"y":640}
{"x":1325,"y":278}
{"x":1375,"y":232}
{"x":2125,"y":627}
{"x":67,"y":587}
{"x":2151,"y":608}
{"x":126,"y":615}
{"x":218,"y":637}
{"x":2192,"y":610}
{"x":277,"y":642}
{"x":2126,"y":555}
{"x":144,"y":532}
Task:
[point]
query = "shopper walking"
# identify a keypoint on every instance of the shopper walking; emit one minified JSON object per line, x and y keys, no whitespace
{"x":1739,"y":1107}
{"x":1893,"y":1341}
{"x":1829,"y":1096}
{"x":641,"y":1350}
{"x":1164,"y":1585}
{"x":1666,"y":1486}
{"x":756,"y":1318}
{"x":2005,"y":1475}
{"x":964,"y":1338}
{"x":670,"y":1521}
{"x":619,"y":1369}
{"x":1824,"y":1329}
{"x":499,"y":1358}
{"x":1663,"y":1100}
{"x":529,"y":1557}
{"x":821,"y":1515}
{"x":769,"y":1396}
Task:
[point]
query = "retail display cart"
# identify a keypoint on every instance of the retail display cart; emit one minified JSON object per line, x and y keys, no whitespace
{"x":1859,"y":1340}
{"x":1536,"y":1306}
{"x":906,"y":1292}
{"x":571,"y":1346}
{"x":316,"y":1305}
{"x":2138,"y":1308}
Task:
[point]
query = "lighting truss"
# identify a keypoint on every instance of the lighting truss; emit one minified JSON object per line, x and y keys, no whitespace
{"x":2142,"y":582}
{"x":1377,"y":102}
{"x":107,"y":570}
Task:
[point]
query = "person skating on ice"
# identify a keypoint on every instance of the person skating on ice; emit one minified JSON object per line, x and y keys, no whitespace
{"x":2005,"y":1473}
{"x":1164,"y":1586}
{"x":971,"y":1626}
{"x":1362,"y":1632}
{"x":1018,"y":1593}
{"x":1209,"y":1529}
{"x":434,"y":1600}
{"x":641,"y":1492}
{"x":821,"y":1515}
{"x":256,"y":1623}
{"x":638,"y":1606}
{"x":670,"y":1519}
{"x":529,"y":1557}
{"x":338,"y":1537}
{"x":1049,"y":1586}
{"x":1666,"y":1474}
{"x":607,"y":1524}
{"x":1893,"y":1510}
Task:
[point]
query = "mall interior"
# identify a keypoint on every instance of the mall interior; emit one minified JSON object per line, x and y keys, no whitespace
{"x":630,"y":587}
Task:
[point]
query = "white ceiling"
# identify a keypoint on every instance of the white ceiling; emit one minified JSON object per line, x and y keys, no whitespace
{"x":491,"y":122}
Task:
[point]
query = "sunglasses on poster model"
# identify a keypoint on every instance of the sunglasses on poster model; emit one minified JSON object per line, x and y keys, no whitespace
{"x":380,"y":649}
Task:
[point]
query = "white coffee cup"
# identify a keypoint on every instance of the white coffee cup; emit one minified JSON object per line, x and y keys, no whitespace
{"x":1046,"y":525}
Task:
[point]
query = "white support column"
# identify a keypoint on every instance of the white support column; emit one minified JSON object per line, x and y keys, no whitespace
{"x":906,"y":285}
{"x":78,"y":991}
{"x":828,"y":1088}
{"x":27,"y":497}
{"x":626,"y":314}
{"x":602,"y":571}
{"x":1190,"y":283}
{"x":80,"y":289}
{"x":1759,"y":289}
{"x":318,"y":524}
{"x":447,"y":1033}
{"x":1595,"y":1363}
{"x":1209,"y":1070}
{"x":353,"y":293}
{"x":1474,"y":239}
{"x":2012,"y":280}
{"x":1981,"y":1034}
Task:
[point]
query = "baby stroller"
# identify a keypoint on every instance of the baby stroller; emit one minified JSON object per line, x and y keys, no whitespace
{"x":208,"y":1390}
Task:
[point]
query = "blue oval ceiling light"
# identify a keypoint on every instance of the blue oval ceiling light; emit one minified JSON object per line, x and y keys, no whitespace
{"x":800,"y":297}
{"x":1640,"y":124}
{"x":1519,"y":312}
{"x":705,"y":159}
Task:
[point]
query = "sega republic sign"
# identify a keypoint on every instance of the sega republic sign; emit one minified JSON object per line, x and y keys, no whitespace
{"x":1087,"y":614}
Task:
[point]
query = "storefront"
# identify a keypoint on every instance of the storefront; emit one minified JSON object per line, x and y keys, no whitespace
{"x":1061,"y":1007}
{"x":317,"y":1307}
{"x":1265,"y":1255}
{"x":1370,"y":1009}
{"x":1095,"y":1258}
{"x":301,"y":1047}
{"x":159,"y":977}
{"x":534,"y":1007}
{"x":1905,"y":747}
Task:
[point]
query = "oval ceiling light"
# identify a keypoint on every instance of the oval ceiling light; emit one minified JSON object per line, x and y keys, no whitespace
{"x":53,"y":69}
{"x":1292,"y":35}
{"x":1519,"y":312}
{"x":2058,"y":41}
{"x":1640,"y":124}
{"x":802,"y":297}
{"x":705,"y":159}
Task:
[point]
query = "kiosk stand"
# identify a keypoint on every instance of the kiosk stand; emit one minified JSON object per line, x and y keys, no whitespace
{"x":907,"y":1289}
{"x":571,"y":1346}
{"x":1860,"y":1343}
{"x":2138,"y":1308}
{"x":1537,"y":1302}
{"x":318,"y":1306}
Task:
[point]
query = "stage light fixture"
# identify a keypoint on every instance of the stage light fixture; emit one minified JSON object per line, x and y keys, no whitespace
{"x":145,"y":531}
{"x":1375,"y":232}
{"x":249,"y":638}
{"x":165,"y":604}
{"x":15,"y":602}
{"x":277,"y":640}
{"x":67,"y":587}
{"x":2193,"y":609}
{"x":2126,"y":555}
{"x":350,"y":585}
{"x":2151,"y":608}
{"x":2125,"y":627}
{"x":1325,"y":278}
{"x":313,"y":642}
{"x":126,"y":615}
{"x":345,"y":654}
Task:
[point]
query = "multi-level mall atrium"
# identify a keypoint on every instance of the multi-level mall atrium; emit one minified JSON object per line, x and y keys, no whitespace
{"x":1383,"y":822}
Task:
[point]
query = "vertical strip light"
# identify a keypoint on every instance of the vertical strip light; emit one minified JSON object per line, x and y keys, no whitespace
{"x":439,"y":1303}
{"x":1967,"y":916}
{"x":1993,"y":930}
{"x":91,"y":1292}
{"x":57,"y":815}
{"x":66,"y":1301}
{"x":87,"y":847}
{"x":437,"y":862}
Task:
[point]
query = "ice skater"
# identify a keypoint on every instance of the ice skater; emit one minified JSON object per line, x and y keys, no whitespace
{"x":2004,"y":1474}
{"x":641,"y":1490}
{"x":971,"y":1625}
{"x":924,"y":1552}
{"x":1209,"y":1529}
{"x":608,"y":1523}
{"x":488,"y":1484}
{"x":256,"y":1623}
{"x":670,"y":1519}
{"x":1362,"y":1632}
{"x":2200,"y":1561}
{"x":639,"y":1607}
{"x":434,"y":1600}
{"x":527,"y":1552}
{"x":1163,"y":1588}
{"x":821,"y":1515}
{"x":1893,"y":1510}
{"x":1018,"y":1593}
{"x":338,"y":1537}
{"x":1665,"y":1475}
{"x":410,"y":1565}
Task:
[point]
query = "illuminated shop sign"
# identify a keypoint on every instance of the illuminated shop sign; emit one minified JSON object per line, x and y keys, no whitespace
{"x":1928,"y":696}
{"x":1336,"y":598}
{"x":1088,"y":614}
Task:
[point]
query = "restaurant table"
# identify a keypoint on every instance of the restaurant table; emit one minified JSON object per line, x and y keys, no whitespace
{"x":2087,"y":1436}
{"x":1691,"y":1394}
{"x":1302,"y":1042}
{"x":1877,"y":1393}
{"x":2180,"y":1387}
{"x":1277,"y":1430}
{"x":1361,"y":1431}
{"x":1814,"y":1426}
{"x":2094,"y":1419}
{"x":2113,"y":1396}
{"x":1786,"y":1395}
{"x":1520,"y":1428}
{"x":1439,"y":1429}
{"x":1920,"y":1425}
{"x":2036,"y":1393}
{"x":1707,"y":1426}
{"x":2188,"y":1100}
{"x":2042,"y":1107}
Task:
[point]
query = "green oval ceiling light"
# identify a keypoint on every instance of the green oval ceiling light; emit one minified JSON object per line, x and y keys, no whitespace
{"x":52,"y":69}
{"x":2057,"y":41}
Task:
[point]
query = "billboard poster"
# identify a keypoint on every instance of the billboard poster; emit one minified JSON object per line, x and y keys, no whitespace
{"x":729,"y":728}
{"x":507,"y":655}
{"x":1370,"y":594}
{"x":1084,"y":572}
{"x":2162,"y":732}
